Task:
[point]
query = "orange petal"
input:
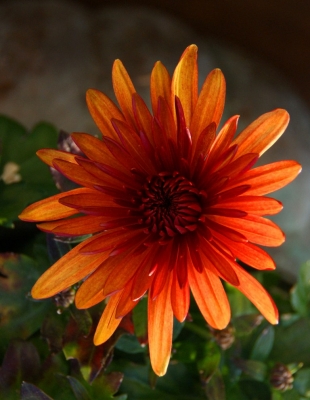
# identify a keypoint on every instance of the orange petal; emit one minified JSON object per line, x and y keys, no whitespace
{"x":262,"y":133}
{"x":253,"y":256}
{"x":160,"y":325}
{"x":68,"y":270}
{"x":142,"y":116}
{"x":255,"y":292}
{"x":210,"y":104}
{"x":224,"y":138}
{"x":76,"y":173}
{"x":185,"y":82}
{"x":268,"y":178}
{"x":102,"y":109}
{"x":50,"y":209}
{"x":160,"y":86}
{"x":48,"y":155}
{"x":256,"y":229}
{"x":180,"y":298}
{"x":94,"y":284}
{"x":74,"y":226}
{"x":108,"y":323}
{"x":93,"y":148}
{"x":210,"y":296}
{"x":256,"y":205}
{"x":123,"y":89}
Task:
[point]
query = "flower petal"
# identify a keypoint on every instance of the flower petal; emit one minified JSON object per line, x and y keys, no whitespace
{"x":108,"y":323}
{"x":50,"y":209}
{"x":210,"y":104}
{"x":123,"y":89}
{"x":256,"y":229}
{"x":262,"y":133}
{"x":256,"y":205}
{"x":160,"y":86}
{"x":210,"y":296}
{"x":67,"y":271}
{"x":268,"y":178}
{"x":255,"y":292}
{"x":102,"y":109}
{"x":160,"y":325}
{"x":74,"y":226}
{"x":48,"y":155}
{"x":180,"y":298}
{"x":185,"y":82}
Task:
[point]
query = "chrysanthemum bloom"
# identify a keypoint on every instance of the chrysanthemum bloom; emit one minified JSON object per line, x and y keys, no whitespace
{"x":170,"y":203}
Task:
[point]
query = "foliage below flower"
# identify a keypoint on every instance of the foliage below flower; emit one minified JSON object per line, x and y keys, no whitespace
{"x":170,"y":202}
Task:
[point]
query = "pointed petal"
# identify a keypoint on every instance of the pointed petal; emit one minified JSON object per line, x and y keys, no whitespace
{"x":268,"y":178}
{"x":185,"y":82}
{"x":143,"y":117}
{"x":253,"y":256}
{"x":123,"y":89}
{"x":160,"y":86}
{"x":108,"y":323}
{"x":210,"y":104}
{"x":210,"y":296}
{"x":102,"y":109}
{"x":50,"y":209}
{"x":256,"y":229}
{"x":160,"y":325}
{"x":67,"y":271}
{"x":48,"y":155}
{"x":262,"y":133}
{"x":224,"y":138}
{"x":255,"y":292}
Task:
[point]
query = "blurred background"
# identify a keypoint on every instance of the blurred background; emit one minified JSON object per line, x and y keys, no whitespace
{"x":52,"y":51}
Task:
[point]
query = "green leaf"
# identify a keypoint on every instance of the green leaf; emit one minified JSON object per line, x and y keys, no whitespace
{"x":215,"y":388}
{"x":19,"y":147}
{"x":31,"y":392}
{"x":300,"y":295}
{"x":302,"y":382}
{"x":263,"y":345}
{"x":209,"y":357}
{"x":139,"y":317}
{"x":255,"y":390}
{"x":129,"y":344}
{"x":20,"y":315}
{"x":291,"y":343}
{"x":21,"y":362}
{"x":79,"y":390}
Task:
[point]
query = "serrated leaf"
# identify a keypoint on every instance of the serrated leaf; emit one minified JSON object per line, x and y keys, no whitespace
{"x":79,"y":390}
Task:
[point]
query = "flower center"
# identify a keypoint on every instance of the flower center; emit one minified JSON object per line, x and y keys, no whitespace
{"x":170,"y":205}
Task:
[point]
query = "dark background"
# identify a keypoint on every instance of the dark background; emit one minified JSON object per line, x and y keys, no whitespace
{"x":278,"y":31}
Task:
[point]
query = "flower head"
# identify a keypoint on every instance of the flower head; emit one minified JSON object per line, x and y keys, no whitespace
{"x":170,"y":201}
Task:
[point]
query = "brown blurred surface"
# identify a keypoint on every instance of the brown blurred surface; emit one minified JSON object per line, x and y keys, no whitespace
{"x":278,"y":31}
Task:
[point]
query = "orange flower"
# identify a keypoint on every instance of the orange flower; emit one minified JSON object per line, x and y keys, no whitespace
{"x":170,"y":203}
